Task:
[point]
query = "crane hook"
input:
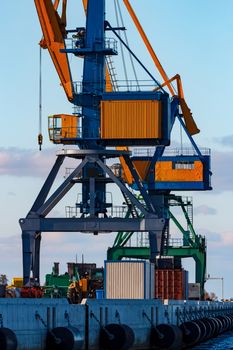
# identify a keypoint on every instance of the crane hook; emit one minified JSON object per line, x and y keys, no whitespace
{"x":40,"y":141}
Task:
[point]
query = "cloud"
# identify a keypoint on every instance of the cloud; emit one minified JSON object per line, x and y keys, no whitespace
{"x":25,"y":162}
{"x":217,"y":240}
{"x":55,"y":246}
{"x":205,"y":210}
{"x":10,"y":193}
{"x":221,"y":164}
{"x":68,"y":244}
{"x":225,"y":141}
{"x":211,"y":236}
{"x":227,"y":239}
{"x":222,"y":178}
{"x":29,"y":162}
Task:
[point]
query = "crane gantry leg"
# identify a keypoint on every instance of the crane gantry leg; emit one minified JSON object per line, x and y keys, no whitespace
{"x":36,"y":221}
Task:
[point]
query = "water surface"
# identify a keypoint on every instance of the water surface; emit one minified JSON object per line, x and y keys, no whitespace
{"x":222,"y":342}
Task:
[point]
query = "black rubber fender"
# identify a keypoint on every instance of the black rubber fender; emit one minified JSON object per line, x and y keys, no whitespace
{"x":231,"y":318}
{"x":116,"y":337}
{"x":229,"y":322}
{"x":224,"y":322}
{"x":191,"y":333}
{"x":210,"y":327}
{"x":64,"y":338}
{"x":8,"y":339}
{"x":217,"y":326}
{"x":166,"y":336}
{"x":203,"y":329}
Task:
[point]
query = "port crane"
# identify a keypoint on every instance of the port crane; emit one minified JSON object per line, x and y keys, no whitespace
{"x":109,"y":123}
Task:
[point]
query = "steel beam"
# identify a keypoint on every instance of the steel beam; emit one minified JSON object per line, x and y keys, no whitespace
{"x":139,"y":184}
{"x":123,"y":188}
{"x":28,"y":245}
{"x":61,"y":191}
{"x":48,"y":184}
{"x":36,"y":259}
{"x":91,"y":224}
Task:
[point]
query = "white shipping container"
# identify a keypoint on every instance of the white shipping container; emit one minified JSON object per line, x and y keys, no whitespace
{"x":194,"y":291}
{"x":129,"y":279}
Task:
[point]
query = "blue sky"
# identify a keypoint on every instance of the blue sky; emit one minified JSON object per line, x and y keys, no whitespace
{"x":191,"y":37}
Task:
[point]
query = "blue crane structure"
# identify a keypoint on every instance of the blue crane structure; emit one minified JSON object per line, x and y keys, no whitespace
{"x":109,"y":121}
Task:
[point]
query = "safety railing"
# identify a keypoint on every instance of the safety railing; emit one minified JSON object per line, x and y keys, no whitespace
{"x":136,"y":85}
{"x":149,"y":152}
{"x":72,"y":212}
{"x":79,"y":43}
{"x":58,"y":133}
{"x":122,"y":85}
{"x":117,"y":211}
{"x":181,"y":200}
{"x":176,"y":242}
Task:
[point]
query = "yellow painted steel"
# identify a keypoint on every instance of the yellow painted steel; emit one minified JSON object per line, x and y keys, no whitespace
{"x":164,"y":171}
{"x":131,"y":119}
{"x":62,"y":126}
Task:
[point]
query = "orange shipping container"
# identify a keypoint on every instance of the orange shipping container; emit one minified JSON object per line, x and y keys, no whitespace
{"x":131,"y":119}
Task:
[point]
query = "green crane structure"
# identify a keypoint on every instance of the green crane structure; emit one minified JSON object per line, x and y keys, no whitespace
{"x":190,"y":245}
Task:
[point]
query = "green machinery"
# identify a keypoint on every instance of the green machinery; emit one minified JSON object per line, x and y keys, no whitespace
{"x":190,"y":245}
{"x":56,"y":285}
{"x":85,"y":278}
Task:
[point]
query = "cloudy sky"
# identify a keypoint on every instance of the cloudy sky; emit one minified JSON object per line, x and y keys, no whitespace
{"x":193,"y":38}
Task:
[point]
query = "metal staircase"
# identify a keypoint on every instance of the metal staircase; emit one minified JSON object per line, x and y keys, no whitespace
{"x":112,"y":73}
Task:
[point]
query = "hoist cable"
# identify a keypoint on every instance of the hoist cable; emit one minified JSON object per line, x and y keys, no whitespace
{"x":127,"y":42}
{"x":135,"y":57}
{"x":122,"y":49}
{"x":40,"y":137}
{"x":181,"y":139}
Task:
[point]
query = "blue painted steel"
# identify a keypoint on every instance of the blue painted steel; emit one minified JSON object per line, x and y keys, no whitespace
{"x":139,"y":95}
{"x":94,"y":66}
{"x":85,"y":51}
{"x":93,"y":84}
{"x":19,"y":315}
{"x":99,"y":293}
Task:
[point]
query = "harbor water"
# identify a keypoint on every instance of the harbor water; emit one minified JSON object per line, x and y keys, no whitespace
{"x":222,"y":342}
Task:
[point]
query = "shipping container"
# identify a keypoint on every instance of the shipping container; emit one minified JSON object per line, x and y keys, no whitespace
{"x":129,"y":279}
{"x":194,"y":291}
{"x":131,"y":119}
{"x":171,"y":284}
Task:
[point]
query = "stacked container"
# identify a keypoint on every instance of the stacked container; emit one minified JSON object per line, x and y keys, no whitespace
{"x":171,"y":284}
